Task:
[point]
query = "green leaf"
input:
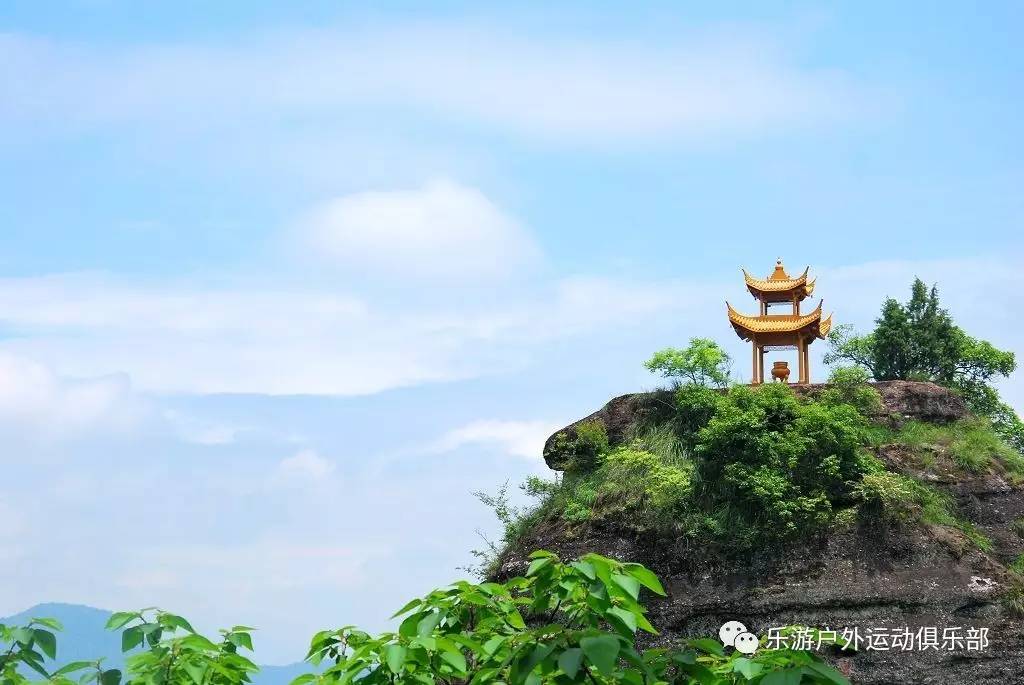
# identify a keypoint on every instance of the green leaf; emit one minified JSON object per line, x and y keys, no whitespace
{"x":586,"y":568}
{"x":196,"y":641}
{"x":172,"y":621}
{"x":628,"y":583}
{"x":628,"y":618}
{"x":74,"y":666}
{"x":749,"y":669}
{"x":493,"y":644}
{"x":23,"y":636}
{"x":645,"y":576}
{"x":569,"y":661}
{"x":111,"y":677}
{"x":51,"y":623}
{"x":428,"y":623}
{"x":516,"y":619}
{"x":195,"y":672}
{"x":241,"y":640}
{"x":408,"y":626}
{"x":708,"y":645}
{"x":700,"y":673}
{"x":830,"y":674}
{"x":303,"y":679}
{"x":602,"y":651}
{"x":120,"y":619}
{"x":30,"y":659}
{"x":455,"y":659}
{"x":131,"y":638}
{"x":394,"y":655}
{"x":789,"y":676}
{"x":536,"y":565}
{"x":644,"y":624}
{"x":153,"y":636}
{"x":47,"y":642}
{"x":408,"y":606}
{"x":526,"y":664}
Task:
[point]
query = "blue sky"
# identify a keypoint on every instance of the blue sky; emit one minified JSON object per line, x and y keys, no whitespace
{"x":282,"y":283}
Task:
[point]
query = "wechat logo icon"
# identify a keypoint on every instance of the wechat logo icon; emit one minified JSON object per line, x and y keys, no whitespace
{"x":735,"y":634}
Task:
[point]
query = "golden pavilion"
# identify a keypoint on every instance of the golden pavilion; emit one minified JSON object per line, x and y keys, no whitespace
{"x":769,"y":332}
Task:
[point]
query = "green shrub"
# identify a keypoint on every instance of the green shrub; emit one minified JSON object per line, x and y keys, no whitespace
{"x":578,"y":500}
{"x":918,"y":434}
{"x":581,"y":447}
{"x":897,"y":496}
{"x":850,"y":386}
{"x":695,"y":407}
{"x":1017,"y":565}
{"x":976,"y":445}
{"x":1014,"y":601}
{"x":777,"y":464}
{"x":645,"y":480}
{"x":972,"y":443}
{"x":900,"y":497}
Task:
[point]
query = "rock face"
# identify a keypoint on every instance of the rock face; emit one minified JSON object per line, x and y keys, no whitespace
{"x":901,"y":400}
{"x":878,"y":577}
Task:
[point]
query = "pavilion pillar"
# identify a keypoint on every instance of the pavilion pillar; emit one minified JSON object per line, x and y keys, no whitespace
{"x":807,"y":363}
{"x":753,"y":373}
{"x":760,"y":364}
{"x":801,"y":348}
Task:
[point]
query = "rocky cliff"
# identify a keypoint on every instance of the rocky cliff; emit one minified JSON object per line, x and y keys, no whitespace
{"x":879,"y":577}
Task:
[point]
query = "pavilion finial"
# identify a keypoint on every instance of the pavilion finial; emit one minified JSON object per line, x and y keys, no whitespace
{"x":780,"y":272}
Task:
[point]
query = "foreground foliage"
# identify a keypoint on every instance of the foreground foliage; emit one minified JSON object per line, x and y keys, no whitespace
{"x":562,"y":623}
{"x":163,"y":649}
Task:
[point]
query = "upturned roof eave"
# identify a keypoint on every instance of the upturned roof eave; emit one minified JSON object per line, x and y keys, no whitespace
{"x":767,"y":289}
{"x":747,"y":327}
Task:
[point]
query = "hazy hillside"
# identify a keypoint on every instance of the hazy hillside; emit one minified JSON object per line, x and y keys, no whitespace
{"x":85,"y":638}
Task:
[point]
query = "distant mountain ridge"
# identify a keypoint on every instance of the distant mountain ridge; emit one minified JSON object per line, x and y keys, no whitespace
{"x":85,"y":638}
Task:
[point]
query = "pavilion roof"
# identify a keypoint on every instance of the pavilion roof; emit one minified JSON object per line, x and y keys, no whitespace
{"x":779,"y":286}
{"x":749,"y":326}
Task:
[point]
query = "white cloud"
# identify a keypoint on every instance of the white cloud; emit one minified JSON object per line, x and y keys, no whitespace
{"x":305,"y":465}
{"x":197,"y":431}
{"x":594,"y":90}
{"x":517,"y":438}
{"x":36,"y":401}
{"x":240,"y":339}
{"x":442,"y":230}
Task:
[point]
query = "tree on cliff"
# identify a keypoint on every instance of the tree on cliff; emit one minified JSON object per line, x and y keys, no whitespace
{"x":919,"y":341}
{"x":702,"y":362}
